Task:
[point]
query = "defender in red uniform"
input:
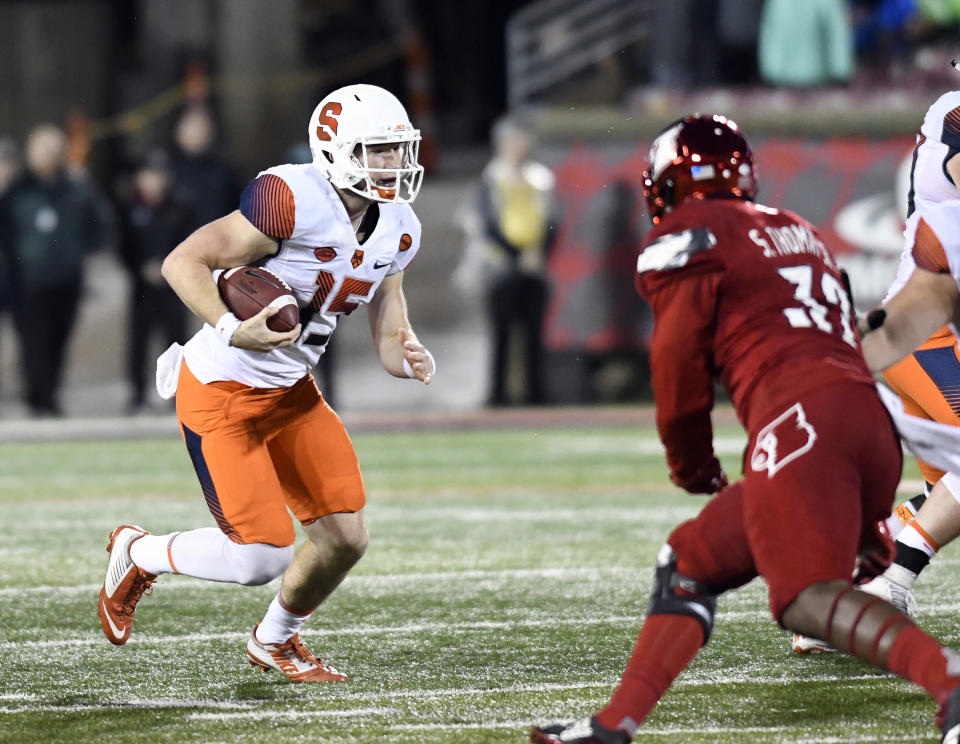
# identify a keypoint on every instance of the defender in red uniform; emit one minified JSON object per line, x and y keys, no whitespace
{"x":751,"y":296}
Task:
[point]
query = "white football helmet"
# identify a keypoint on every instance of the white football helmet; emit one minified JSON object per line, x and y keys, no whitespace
{"x":346,"y":123}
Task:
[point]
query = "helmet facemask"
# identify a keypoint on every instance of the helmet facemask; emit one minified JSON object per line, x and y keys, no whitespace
{"x":374,"y":182}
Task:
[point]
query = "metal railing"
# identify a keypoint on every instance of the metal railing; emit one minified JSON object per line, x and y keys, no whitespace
{"x":549,"y":41}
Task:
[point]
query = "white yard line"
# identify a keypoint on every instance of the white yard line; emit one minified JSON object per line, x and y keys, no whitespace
{"x":428,"y":627}
{"x":184,"y":583}
{"x":363,"y":630}
{"x":264,"y":715}
{"x":254,"y":709}
{"x":135,"y":703}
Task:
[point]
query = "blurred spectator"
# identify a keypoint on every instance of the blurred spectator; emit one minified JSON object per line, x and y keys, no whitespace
{"x":513,"y":223}
{"x":682,"y":43}
{"x":695,"y":43}
{"x":882,"y":31}
{"x":9,"y":163}
{"x":202,"y":178}
{"x":805,"y":44}
{"x":49,"y":220}
{"x":152,"y":224}
{"x":9,"y":170}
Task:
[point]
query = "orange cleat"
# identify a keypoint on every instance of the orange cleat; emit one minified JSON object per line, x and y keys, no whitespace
{"x":292,"y":659}
{"x":123,"y":586}
{"x":806,"y":645}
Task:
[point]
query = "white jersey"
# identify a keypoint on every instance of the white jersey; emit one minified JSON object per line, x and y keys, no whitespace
{"x":320,"y":257}
{"x":936,"y":239}
{"x":938,"y":140}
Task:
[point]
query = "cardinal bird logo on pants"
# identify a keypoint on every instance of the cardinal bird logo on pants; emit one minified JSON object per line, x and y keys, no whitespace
{"x":782,"y":441}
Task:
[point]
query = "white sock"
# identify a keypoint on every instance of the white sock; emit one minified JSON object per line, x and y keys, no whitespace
{"x":913,"y":538}
{"x":280,"y":623}
{"x":207,"y":553}
{"x":150,"y":553}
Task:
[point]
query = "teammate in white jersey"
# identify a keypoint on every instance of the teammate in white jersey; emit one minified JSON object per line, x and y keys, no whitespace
{"x":262,"y":440}
{"x":928,"y":379}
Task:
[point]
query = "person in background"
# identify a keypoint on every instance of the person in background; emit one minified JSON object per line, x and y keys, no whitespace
{"x":152,"y":224}
{"x":201,"y":177}
{"x":515,"y":222}
{"x":9,"y":170}
{"x":49,"y":220}
{"x":805,"y":45}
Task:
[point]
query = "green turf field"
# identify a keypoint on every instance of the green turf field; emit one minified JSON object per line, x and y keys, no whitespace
{"x":506,"y":578}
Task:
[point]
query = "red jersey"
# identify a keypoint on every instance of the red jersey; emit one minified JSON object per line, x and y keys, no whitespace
{"x":751,"y":296}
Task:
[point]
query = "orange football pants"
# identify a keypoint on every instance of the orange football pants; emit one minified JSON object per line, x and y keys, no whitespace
{"x":928,"y":382}
{"x":259,"y":451}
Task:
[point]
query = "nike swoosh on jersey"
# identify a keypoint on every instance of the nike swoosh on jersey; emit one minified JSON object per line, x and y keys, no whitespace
{"x":378,"y":265}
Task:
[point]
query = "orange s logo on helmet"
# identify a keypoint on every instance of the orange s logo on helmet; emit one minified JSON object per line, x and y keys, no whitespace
{"x":325,"y":253}
{"x":328,"y":119}
{"x":405,"y":242}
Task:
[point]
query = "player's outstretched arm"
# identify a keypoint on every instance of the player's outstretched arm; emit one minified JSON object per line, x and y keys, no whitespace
{"x":926,"y":302}
{"x":398,"y":347}
{"x":222,"y":244}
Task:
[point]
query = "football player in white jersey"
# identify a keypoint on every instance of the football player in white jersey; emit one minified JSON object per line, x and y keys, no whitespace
{"x":340,"y":232}
{"x":927,"y":380}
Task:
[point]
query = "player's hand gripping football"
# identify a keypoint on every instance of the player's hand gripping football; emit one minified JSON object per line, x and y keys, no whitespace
{"x":416,"y":356}
{"x":253,"y":334}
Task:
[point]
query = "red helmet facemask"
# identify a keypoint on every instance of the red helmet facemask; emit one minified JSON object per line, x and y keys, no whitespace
{"x":698,"y":157}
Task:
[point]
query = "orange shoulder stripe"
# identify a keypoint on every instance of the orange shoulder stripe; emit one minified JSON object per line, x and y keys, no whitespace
{"x":928,"y":251}
{"x":269,"y":205}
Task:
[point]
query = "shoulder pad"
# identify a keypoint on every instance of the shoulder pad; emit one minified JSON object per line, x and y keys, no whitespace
{"x":673,"y":250}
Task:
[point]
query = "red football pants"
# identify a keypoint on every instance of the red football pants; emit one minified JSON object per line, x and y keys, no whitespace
{"x":818,"y":476}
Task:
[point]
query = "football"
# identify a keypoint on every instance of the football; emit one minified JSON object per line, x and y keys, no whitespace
{"x":246,"y":290}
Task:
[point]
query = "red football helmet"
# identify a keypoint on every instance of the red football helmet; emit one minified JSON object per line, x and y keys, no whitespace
{"x":697,"y":156}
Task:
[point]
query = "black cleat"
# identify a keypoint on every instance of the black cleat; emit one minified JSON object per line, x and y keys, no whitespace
{"x":584,"y":731}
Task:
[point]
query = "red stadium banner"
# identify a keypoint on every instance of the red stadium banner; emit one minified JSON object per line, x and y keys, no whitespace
{"x":854,"y":190}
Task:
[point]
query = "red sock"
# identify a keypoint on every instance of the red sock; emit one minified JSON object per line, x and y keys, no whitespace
{"x":664,"y":648}
{"x":917,"y":657}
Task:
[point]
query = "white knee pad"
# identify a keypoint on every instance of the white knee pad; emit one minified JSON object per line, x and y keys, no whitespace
{"x":257,"y":563}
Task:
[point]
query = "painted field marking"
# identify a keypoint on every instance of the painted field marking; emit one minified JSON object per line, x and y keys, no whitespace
{"x":254,"y":709}
{"x":429,"y":627}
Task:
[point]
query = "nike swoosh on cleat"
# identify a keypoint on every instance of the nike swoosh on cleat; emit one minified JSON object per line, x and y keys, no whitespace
{"x":378,"y":265}
{"x":117,"y":633}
